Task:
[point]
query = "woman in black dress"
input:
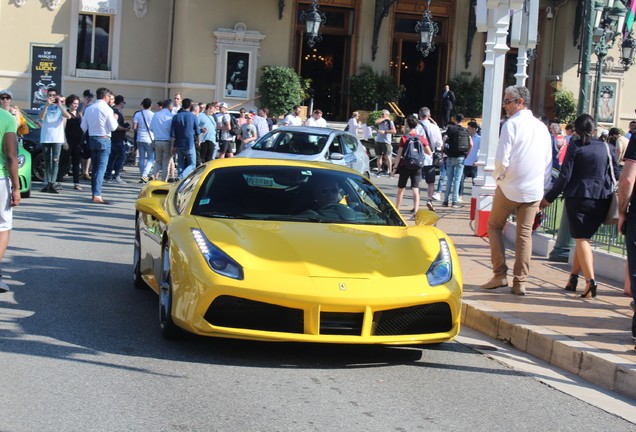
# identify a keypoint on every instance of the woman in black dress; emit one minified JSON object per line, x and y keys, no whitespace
{"x":586,"y":184}
{"x":74,"y":137}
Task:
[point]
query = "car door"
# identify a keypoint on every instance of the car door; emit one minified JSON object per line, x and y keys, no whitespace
{"x":350,"y":144}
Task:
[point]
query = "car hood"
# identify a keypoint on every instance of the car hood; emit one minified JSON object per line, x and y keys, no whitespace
{"x":325,"y":250}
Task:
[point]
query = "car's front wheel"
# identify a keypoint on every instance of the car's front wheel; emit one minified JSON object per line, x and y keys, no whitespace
{"x":168,"y":328}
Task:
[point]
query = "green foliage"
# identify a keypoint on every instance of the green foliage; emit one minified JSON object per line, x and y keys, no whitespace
{"x":373,"y":116}
{"x":281,"y":88}
{"x":368,"y":88}
{"x":469,"y":95}
{"x":564,"y":106}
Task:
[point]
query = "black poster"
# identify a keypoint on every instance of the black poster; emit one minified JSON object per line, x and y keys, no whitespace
{"x":46,"y":72}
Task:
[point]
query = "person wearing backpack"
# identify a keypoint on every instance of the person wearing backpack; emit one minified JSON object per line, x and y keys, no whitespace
{"x":458,"y":146}
{"x":411,"y":158}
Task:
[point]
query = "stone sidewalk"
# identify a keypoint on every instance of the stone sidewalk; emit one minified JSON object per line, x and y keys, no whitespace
{"x":591,"y":338}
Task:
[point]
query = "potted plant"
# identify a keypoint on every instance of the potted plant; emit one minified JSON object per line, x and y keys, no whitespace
{"x":564,"y":106}
{"x":281,"y":88}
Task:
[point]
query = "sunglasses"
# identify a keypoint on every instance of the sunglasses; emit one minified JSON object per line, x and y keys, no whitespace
{"x":5,"y":97}
{"x":507,"y":101}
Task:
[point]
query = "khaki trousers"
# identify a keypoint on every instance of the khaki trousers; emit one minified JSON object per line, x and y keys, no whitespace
{"x":502,"y":208}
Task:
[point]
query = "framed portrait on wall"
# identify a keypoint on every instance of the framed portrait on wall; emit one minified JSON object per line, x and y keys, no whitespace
{"x":236,"y":74}
{"x":608,"y":102}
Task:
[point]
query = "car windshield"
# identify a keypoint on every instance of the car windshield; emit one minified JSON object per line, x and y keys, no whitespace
{"x":300,"y":194}
{"x":294,"y":142}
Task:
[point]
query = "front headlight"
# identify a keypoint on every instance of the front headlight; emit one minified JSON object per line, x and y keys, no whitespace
{"x":21,"y":160}
{"x":219,"y":261}
{"x":441,"y":271}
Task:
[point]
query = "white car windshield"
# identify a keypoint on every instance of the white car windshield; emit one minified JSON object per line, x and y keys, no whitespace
{"x":287,"y":193}
{"x":293,"y":142}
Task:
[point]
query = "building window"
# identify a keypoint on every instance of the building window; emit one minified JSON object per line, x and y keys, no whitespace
{"x":94,"y":42}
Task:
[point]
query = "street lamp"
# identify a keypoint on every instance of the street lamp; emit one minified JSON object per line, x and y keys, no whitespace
{"x":627,"y":51}
{"x":608,"y":22}
{"x":313,"y":20}
{"x":427,"y":30}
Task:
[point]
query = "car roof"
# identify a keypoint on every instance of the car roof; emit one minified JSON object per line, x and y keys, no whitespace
{"x":316,"y":130}
{"x":244,"y":162}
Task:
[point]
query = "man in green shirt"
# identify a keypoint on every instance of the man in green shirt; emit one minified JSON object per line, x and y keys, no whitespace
{"x":9,"y":181}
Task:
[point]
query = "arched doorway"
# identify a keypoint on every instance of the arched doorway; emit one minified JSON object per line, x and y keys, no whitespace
{"x":328,"y":63}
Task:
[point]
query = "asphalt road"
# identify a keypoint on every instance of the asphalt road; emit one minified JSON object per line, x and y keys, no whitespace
{"x":80,"y":350}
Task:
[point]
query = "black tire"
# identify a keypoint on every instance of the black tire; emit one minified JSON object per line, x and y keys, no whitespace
{"x":138,"y":280}
{"x":167,"y":327}
{"x":37,"y":165}
{"x":26,"y":194}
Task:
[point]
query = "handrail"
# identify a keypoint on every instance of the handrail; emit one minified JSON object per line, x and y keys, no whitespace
{"x":396,"y":109}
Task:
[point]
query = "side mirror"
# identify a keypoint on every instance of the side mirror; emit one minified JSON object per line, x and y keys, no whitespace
{"x":153,"y":207}
{"x":336,"y":156}
{"x":426,"y":217}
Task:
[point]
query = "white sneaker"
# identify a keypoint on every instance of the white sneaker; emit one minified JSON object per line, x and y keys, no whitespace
{"x":460,"y":200}
{"x":120,"y":180}
{"x":436,"y":196}
{"x":3,"y":287}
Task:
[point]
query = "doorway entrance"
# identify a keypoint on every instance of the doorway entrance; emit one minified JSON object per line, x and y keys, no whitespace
{"x":416,"y":75}
{"x":325,"y":66}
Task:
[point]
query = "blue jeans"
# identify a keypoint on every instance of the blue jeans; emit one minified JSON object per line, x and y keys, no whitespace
{"x":630,"y":245}
{"x":51,"y":161}
{"x":116,"y":160}
{"x":442,"y":176}
{"x":186,"y":160}
{"x":454,"y":173}
{"x":100,"y":151}
{"x":146,"y":158}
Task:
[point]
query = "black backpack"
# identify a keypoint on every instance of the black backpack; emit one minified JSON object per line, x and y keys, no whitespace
{"x":235,"y":129}
{"x":414,"y":153}
{"x":458,"y":141}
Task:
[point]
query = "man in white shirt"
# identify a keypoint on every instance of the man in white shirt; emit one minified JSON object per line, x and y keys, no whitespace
{"x":99,"y":121}
{"x":293,"y":119}
{"x":52,"y":137}
{"x":427,"y":128}
{"x":316,"y":119}
{"x":523,"y":166}
{"x":160,"y":126}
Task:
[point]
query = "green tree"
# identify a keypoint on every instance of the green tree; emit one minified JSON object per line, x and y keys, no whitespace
{"x":281,"y":88}
{"x":469,"y":95}
{"x":564,"y":106}
{"x":368,"y":88}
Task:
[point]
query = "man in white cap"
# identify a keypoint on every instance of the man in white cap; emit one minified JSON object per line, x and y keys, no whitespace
{"x":226,"y":146}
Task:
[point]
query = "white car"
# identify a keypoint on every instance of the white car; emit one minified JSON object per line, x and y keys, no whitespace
{"x":311,"y":144}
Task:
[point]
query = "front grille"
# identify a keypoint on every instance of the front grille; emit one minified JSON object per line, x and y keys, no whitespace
{"x":234,"y":312}
{"x":422,"y":319}
{"x":340,"y":323}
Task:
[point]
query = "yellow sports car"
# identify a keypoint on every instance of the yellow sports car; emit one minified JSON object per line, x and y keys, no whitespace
{"x":278,"y":250}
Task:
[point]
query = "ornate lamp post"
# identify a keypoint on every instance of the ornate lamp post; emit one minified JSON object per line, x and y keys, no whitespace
{"x":427,"y":30}
{"x":313,"y":20}
{"x":627,"y":51}
{"x":608,"y":22}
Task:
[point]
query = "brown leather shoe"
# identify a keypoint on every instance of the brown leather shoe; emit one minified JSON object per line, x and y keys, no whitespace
{"x":496,"y":282}
{"x":518,"y":289}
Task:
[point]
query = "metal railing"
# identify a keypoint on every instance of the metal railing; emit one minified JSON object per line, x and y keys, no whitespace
{"x":607,"y":238}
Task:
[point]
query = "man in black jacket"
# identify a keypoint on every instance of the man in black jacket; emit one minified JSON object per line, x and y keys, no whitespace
{"x":448,"y":101}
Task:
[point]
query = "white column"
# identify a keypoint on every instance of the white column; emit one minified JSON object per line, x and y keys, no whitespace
{"x":498,"y":21}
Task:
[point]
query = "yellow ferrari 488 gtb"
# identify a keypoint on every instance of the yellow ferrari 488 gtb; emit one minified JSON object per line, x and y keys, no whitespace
{"x":278,"y":250}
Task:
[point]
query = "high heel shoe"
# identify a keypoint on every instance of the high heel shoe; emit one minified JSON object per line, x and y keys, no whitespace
{"x":590,"y":289}
{"x":572,"y":283}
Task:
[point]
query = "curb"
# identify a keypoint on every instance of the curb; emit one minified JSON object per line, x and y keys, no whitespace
{"x":605,"y":370}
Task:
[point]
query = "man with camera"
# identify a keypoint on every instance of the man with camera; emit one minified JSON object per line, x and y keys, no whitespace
{"x":52,"y":137}
{"x":384,"y":142}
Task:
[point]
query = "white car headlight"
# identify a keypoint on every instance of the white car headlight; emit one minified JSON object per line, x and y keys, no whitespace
{"x":21,"y":160}
{"x":441,"y":270}
{"x":219,"y":261}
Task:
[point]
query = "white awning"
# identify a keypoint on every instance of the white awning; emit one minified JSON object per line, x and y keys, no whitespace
{"x":102,"y":7}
